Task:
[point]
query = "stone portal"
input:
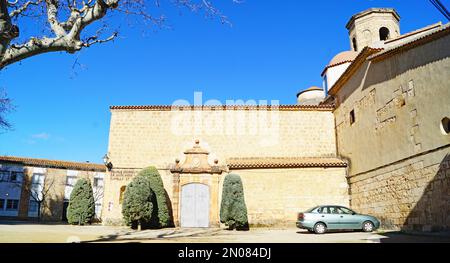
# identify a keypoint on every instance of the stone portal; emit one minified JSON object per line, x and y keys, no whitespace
{"x":196,"y":189}
{"x":195,"y":201}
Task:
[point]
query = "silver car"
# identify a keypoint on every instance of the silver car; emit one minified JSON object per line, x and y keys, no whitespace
{"x":331,"y":217}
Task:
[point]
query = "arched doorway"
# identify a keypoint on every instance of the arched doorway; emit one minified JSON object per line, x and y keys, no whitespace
{"x":195,"y":199}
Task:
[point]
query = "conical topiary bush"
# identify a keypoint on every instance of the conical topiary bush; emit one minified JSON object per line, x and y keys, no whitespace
{"x":233,"y":210}
{"x":161,"y":204}
{"x":137,"y":206}
{"x":81,"y":209}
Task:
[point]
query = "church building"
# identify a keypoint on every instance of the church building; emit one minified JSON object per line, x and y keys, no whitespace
{"x":374,"y":137}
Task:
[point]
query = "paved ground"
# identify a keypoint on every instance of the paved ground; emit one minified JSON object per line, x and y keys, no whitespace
{"x":15,"y":232}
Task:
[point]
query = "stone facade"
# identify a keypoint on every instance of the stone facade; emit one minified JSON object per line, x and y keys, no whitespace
{"x":388,"y":120}
{"x":145,"y":137}
{"x":364,"y":28}
{"x":275,"y":196}
{"x":411,"y":195}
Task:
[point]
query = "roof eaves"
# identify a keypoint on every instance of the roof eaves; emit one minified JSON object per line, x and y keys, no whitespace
{"x":53,"y":163}
{"x":360,"y":59}
{"x":387,"y":53}
{"x":227,"y":107}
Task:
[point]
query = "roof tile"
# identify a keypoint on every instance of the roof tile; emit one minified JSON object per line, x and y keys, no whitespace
{"x":54,"y":163}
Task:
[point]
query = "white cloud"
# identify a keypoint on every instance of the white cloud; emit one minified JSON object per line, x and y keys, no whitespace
{"x":41,"y":136}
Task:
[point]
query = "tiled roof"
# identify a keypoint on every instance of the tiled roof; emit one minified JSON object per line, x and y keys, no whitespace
{"x":228,"y":107}
{"x":286,"y":162}
{"x":341,"y":58}
{"x":348,"y":73}
{"x":415,"y":32}
{"x":380,"y":54}
{"x":54,"y":163}
{"x":313,"y":88}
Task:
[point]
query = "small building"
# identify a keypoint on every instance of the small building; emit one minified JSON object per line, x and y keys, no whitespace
{"x":31,"y":188}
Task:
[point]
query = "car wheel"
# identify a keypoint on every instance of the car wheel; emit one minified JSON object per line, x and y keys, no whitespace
{"x":320,"y":228}
{"x":368,"y":226}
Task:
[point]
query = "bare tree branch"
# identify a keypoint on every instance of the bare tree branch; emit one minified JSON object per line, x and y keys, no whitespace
{"x":67,"y":20}
{"x":5,"y":107}
{"x":24,"y":8}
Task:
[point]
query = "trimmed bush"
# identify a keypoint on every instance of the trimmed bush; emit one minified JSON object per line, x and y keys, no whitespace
{"x":161,"y":204}
{"x":137,"y":206}
{"x":233,"y":211}
{"x":81,"y":209}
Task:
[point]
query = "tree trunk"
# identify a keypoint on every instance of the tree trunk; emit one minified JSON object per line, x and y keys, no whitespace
{"x":8,"y":31}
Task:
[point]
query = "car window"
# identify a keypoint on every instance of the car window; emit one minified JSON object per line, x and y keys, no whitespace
{"x":334,"y":210}
{"x":313,"y":210}
{"x":324,"y":210}
{"x":346,"y":211}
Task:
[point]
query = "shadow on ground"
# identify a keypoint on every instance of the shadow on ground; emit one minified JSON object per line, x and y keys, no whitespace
{"x":401,"y":237}
{"x":133,"y":236}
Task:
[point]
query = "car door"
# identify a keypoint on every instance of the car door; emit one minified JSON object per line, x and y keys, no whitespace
{"x":348,"y":219}
{"x":329,"y":218}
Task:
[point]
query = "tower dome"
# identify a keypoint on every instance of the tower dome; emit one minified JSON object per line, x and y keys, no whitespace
{"x":337,"y":66}
{"x":343,"y":57}
{"x":311,"y":96}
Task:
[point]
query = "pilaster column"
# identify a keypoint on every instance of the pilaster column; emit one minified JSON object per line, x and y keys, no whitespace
{"x":176,"y":199}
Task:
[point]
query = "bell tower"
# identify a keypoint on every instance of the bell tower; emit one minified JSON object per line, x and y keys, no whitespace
{"x":373,"y":26}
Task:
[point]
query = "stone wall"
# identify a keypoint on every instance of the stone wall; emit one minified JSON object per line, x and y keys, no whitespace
{"x":150,"y":137}
{"x":366,"y":29}
{"x":273,"y":196}
{"x":411,"y":195}
{"x":140,"y":138}
{"x":396,"y":145}
{"x":114,"y":182}
{"x":398,"y":104}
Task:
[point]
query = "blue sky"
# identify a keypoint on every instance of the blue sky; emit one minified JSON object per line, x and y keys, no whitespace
{"x":274,"y":49}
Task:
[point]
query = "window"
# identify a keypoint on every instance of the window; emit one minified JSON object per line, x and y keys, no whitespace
{"x":37,"y":179}
{"x":346,"y":211}
{"x":4,"y":176}
{"x":122,"y":193}
{"x":352,"y":117}
{"x":334,"y":210}
{"x":384,"y":34}
{"x":33,"y":207}
{"x":13,"y":177}
{"x":71,"y":180}
{"x":2,"y":204}
{"x":12,"y":204}
{"x":313,"y":210}
{"x":98,"y":182}
{"x":16,"y":177}
{"x":98,"y":210}
{"x":324,"y":210}
{"x":325,"y":84}
{"x":445,"y":126}
{"x":355,"y":45}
